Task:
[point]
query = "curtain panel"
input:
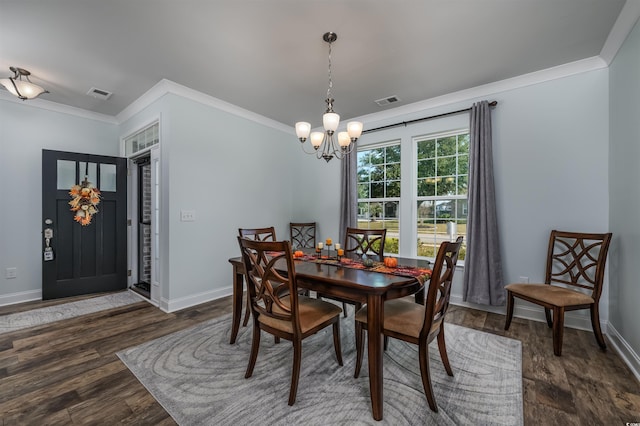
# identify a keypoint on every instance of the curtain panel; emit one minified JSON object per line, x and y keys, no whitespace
{"x":483,"y":282}
{"x":349,"y":193}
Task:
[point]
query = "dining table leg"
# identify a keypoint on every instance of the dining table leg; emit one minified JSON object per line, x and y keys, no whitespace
{"x":237,"y":303}
{"x":375,"y":319}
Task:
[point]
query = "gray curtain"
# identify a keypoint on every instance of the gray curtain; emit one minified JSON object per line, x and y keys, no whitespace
{"x":482,"y":264}
{"x":349,"y":193}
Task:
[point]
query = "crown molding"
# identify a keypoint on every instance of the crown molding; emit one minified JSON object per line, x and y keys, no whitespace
{"x":165,"y":86}
{"x":56,"y":107}
{"x":627,"y":19}
{"x":537,"y":77}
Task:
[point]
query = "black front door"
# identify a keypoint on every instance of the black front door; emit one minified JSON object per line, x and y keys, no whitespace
{"x":84,"y":258}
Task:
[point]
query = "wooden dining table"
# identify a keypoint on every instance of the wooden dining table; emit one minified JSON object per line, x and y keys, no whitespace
{"x":361,"y":285}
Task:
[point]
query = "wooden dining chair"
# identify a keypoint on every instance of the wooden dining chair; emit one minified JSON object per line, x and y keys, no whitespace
{"x":369,"y":242}
{"x":258,"y":234}
{"x":276,"y":306}
{"x":419,"y":324}
{"x":303,"y":234}
{"x":573,"y":280}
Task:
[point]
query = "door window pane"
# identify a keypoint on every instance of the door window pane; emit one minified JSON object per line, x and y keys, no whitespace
{"x":66,"y":174}
{"x":107,"y":177}
{"x":90,"y":172}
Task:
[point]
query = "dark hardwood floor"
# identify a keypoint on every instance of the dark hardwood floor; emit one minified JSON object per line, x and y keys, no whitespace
{"x":68,"y":372}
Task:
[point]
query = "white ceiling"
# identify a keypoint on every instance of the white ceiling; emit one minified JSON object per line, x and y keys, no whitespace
{"x":268,"y":56}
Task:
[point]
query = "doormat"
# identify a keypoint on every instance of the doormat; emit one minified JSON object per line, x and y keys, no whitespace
{"x":40,"y":316}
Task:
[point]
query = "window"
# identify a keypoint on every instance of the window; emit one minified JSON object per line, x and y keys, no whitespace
{"x":142,"y":140}
{"x":379,"y":191}
{"x":442,"y":167}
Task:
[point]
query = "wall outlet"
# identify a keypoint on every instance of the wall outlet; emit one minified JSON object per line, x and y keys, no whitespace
{"x":187,"y":216}
{"x":11,"y":273}
{"x":524,"y":279}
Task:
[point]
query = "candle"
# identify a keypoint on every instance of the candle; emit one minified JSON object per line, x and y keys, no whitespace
{"x":338,"y":246}
{"x":329,"y":241}
{"x":320,"y":246}
{"x":340,"y":252}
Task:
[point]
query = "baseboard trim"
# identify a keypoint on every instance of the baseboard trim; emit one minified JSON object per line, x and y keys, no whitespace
{"x":20,"y":297}
{"x":626,"y":352}
{"x":173,"y":305}
{"x":533,"y":313}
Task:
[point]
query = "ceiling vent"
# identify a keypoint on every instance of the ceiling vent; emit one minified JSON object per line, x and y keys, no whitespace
{"x":99,"y":93}
{"x":387,"y":100}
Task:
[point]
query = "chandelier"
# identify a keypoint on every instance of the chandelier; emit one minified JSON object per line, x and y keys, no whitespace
{"x":24,"y":89}
{"x":324,"y":143}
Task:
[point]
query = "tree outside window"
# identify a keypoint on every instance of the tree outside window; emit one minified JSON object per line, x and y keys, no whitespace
{"x":442,"y":165}
{"x":379,"y":191}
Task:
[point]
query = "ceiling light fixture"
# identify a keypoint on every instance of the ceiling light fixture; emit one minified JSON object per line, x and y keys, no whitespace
{"x":24,"y":89}
{"x":324,"y":143}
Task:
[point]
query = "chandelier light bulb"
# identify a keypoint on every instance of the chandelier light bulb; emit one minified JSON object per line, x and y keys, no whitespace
{"x":316,"y":139}
{"x":302,"y":130}
{"x":343,"y":139}
{"x":330,"y":121}
{"x":354,"y":128}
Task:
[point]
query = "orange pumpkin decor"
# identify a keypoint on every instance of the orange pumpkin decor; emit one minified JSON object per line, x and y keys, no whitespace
{"x":298,"y":253}
{"x":390,"y":262}
{"x":85,"y":199}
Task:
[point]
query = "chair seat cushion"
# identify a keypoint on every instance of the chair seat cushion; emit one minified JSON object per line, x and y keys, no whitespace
{"x":402,"y":316}
{"x":550,"y":294}
{"x":313,"y":312}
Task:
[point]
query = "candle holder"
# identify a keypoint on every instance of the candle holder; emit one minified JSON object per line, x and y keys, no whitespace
{"x":328,"y":243}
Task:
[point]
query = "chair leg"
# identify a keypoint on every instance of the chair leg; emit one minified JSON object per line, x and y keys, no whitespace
{"x":247,"y":311}
{"x":423,"y":354}
{"x":336,"y":341}
{"x":386,"y":342}
{"x":295,"y":373}
{"x":344,"y":309}
{"x":255,"y":345}
{"x":359,"y":344}
{"x":547,"y":314}
{"x":558,"y":329}
{"x":507,"y":323}
{"x":595,"y":322}
{"x":442,"y":347}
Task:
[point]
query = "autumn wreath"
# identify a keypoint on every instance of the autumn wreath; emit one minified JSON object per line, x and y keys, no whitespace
{"x":85,"y":199}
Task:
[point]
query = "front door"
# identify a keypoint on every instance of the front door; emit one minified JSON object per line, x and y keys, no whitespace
{"x":82,"y":256}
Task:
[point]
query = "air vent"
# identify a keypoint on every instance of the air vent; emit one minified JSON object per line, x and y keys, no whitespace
{"x":99,"y":93}
{"x":387,"y":100}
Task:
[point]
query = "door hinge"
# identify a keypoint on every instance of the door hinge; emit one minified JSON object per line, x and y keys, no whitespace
{"x":128,"y":222}
{"x":128,"y":272}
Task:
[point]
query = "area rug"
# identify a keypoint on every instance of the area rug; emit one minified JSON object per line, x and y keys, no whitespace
{"x":40,"y":316}
{"x":198,"y":377}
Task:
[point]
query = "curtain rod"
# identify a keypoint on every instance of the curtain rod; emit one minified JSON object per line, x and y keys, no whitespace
{"x":405,"y":123}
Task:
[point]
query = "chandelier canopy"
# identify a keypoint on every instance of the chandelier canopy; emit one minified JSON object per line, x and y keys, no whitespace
{"x":22,"y":88}
{"x":324,"y":143}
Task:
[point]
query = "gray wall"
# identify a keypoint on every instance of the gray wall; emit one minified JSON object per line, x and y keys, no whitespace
{"x":24,"y":132}
{"x":624,"y":192}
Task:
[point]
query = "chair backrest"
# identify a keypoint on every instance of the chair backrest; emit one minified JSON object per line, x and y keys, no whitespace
{"x":440,"y":283}
{"x":258,"y":234}
{"x":303,"y":235}
{"x":578,"y":260}
{"x":271,"y":279}
{"x":365,"y":241}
